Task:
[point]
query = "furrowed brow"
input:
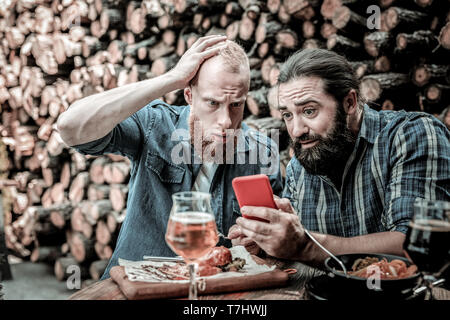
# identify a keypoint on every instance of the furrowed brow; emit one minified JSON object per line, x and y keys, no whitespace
{"x":299,"y":103}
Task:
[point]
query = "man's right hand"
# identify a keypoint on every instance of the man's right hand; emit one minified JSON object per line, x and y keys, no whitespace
{"x":188,"y":65}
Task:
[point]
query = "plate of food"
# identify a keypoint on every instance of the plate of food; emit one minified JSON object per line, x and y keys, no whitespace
{"x":377,"y":272}
{"x":221,"y":270}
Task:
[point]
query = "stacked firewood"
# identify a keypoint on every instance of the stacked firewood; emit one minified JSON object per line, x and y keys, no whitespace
{"x":66,"y":208}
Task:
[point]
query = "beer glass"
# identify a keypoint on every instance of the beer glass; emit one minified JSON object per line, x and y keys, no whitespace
{"x":191,"y":231}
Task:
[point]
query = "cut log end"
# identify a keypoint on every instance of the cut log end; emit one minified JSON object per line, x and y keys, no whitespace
{"x":421,"y":76}
{"x":370,"y":89}
{"x":444,"y":36}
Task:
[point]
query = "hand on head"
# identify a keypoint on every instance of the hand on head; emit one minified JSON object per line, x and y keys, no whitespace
{"x":203,"y":49}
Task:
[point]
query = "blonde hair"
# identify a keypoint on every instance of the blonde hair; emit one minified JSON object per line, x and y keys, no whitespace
{"x":235,"y":59}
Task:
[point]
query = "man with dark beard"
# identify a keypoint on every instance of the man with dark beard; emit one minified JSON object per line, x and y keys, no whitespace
{"x":175,"y":148}
{"x":356,"y":172}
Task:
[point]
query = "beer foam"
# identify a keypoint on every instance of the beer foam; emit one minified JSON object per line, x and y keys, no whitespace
{"x":192,"y":217}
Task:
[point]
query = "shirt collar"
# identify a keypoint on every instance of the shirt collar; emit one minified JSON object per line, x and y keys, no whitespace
{"x":370,"y":126}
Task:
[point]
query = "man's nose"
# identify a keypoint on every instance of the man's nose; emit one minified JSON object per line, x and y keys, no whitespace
{"x":300,"y":128}
{"x":224,"y":118}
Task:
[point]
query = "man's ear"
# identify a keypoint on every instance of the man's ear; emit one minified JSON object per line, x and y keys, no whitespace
{"x":188,"y":95}
{"x":350,"y":102}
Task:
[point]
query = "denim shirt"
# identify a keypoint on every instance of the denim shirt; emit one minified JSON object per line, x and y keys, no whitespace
{"x":399,"y":156}
{"x":150,"y":138}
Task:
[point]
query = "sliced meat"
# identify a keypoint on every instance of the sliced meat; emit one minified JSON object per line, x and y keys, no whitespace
{"x":205,"y":270}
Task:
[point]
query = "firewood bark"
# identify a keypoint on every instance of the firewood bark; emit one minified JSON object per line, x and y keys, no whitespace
{"x":382,"y":64}
{"x":351,"y":24}
{"x":267,"y":31}
{"x":286,"y":42}
{"x":98,"y":191}
{"x":97,"y":210}
{"x":265,"y":68}
{"x":419,"y":41}
{"x":344,"y":46}
{"x":327,"y":29}
{"x":377,"y":43}
{"x":257,"y":102}
{"x":111,"y":18}
{"x":403,"y":19}
{"x":372,"y":86}
{"x":163,"y":64}
{"x":159,"y":50}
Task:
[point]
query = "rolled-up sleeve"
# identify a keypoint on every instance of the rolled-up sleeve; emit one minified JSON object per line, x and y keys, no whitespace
{"x":420,"y":158}
{"x":127,"y":138}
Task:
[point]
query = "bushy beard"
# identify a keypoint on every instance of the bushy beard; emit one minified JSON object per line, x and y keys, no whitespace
{"x":329,"y":156}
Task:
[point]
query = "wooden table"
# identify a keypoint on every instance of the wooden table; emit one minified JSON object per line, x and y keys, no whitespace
{"x":295,"y":290}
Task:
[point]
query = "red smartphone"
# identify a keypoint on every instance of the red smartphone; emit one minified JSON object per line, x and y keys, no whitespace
{"x":254,"y":191}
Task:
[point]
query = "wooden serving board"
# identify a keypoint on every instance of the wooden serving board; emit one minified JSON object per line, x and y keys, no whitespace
{"x":136,"y":290}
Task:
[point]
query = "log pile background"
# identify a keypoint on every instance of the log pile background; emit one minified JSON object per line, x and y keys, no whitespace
{"x":65,"y":208}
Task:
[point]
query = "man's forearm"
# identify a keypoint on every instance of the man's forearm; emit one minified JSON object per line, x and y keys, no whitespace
{"x":95,"y":116}
{"x":382,"y":242}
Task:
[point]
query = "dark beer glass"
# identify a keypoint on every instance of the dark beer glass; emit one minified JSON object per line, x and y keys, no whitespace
{"x":428,"y":239}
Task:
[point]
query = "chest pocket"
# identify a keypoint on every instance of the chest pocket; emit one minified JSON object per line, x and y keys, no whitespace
{"x":166,"y":171}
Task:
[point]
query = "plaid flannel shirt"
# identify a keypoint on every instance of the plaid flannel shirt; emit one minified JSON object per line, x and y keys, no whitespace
{"x":399,"y":156}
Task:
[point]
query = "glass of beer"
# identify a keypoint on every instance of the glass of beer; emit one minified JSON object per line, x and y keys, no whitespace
{"x":191,"y":230}
{"x":427,"y":242}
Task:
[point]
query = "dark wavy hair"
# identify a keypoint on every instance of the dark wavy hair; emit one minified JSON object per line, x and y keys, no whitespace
{"x":336,"y":73}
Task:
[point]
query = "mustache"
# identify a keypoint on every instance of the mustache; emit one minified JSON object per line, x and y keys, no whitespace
{"x":308,"y":137}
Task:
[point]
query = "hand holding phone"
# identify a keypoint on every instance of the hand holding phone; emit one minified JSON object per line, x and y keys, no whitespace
{"x":254,"y":190}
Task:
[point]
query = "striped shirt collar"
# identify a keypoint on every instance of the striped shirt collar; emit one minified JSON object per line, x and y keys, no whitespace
{"x":370,"y":126}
